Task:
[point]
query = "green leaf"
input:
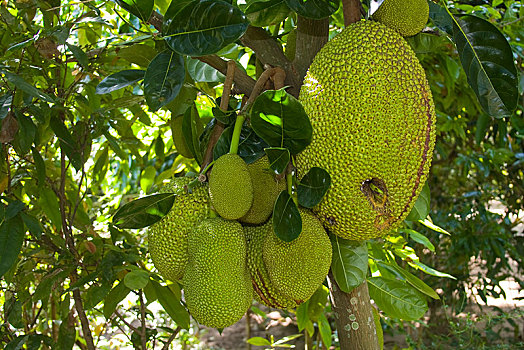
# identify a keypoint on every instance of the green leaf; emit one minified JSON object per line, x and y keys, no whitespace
{"x":120,"y":80}
{"x":397,"y":299}
{"x":419,"y":238}
{"x":250,"y":147}
{"x":40,"y":167}
{"x":317,"y":303}
{"x":13,"y":209}
{"x":79,"y":54}
{"x":29,"y":89}
{"x":429,"y":270}
{"x":192,"y":129}
{"x":202,"y":72}
{"x":45,"y":287}
{"x":11,"y":239}
{"x":278,"y":158}
{"x":50,"y":205}
{"x":5,"y":105}
{"x":115,"y":296}
{"x":421,"y":208}
{"x":349,"y":264}
{"x":144,"y":212}
{"x":259,"y":341}
{"x":280,"y":120}
{"x":203,"y":27}
{"x":434,"y":227}
{"x":67,"y":143}
{"x":163,"y":79}
{"x":171,"y":12}
{"x":315,"y":9}
{"x":25,"y":135}
{"x":140,"y":8}
{"x":147,"y":179}
{"x":487,"y":59}
{"x":325,"y":330}
{"x":378,"y":327}
{"x":441,"y":18}
{"x":139,"y":54}
{"x":410,"y":278}
{"x":287,"y":223}
{"x":66,"y":336}
{"x":265,"y":13}
{"x":32,"y":224}
{"x":172,"y":305}
{"x":313,"y":187}
{"x":136,"y":279}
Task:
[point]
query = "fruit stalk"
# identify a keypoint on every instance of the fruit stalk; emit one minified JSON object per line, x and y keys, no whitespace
{"x":235,"y":139}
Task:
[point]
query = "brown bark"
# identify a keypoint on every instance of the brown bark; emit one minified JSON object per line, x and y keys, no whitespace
{"x":353,"y":317}
{"x":352,"y":11}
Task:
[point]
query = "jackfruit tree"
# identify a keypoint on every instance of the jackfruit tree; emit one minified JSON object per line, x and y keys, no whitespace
{"x":221,"y":158}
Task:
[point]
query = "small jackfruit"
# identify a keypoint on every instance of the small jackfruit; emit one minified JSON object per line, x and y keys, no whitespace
{"x":264,"y":289}
{"x":265,"y":191}
{"x":217,"y":284}
{"x":168,"y":237}
{"x":373,"y":120}
{"x":230,"y":187}
{"x":299,"y":267}
{"x":408,"y":17}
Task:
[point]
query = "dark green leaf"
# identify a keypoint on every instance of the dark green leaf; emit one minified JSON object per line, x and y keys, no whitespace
{"x":29,"y":89}
{"x":172,"y":305}
{"x":265,"y":13}
{"x":192,"y":129}
{"x":40,"y":167}
{"x":280,"y":120}
{"x":313,"y":187}
{"x":79,"y":54}
{"x":45,"y":287}
{"x":144,"y":211}
{"x":67,"y":143}
{"x":26,"y":134}
{"x":140,"y":8}
{"x":250,"y":147}
{"x":115,"y":296}
{"x":441,"y":18}
{"x":287,"y":222}
{"x":202,"y":72}
{"x":13,"y":208}
{"x":421,"y":208}
{"x":136,"y":279}
{"x":66,"y":336}
{"x":96,"y":294}
{"x":49,"y":203}
{"x":316,"y":9}
{"x":487,"y":59}
{"x":325,"y":330}
{"x":32,"y":224}
{"x":258,"y":341}
{"x":139,"y":54}
{"x":349,"y":264}
{"x":397,"y":299}
{"x":11,"y":239}
{"x":5,"y":104}
{"x":278,"y":158}
{"x":410,"y":278}
{"x":163,"y":79}
{"x":483,"y":123}
{"x":119,"y":80}
{"x":171,"y":12}
{"x":204,"y":27}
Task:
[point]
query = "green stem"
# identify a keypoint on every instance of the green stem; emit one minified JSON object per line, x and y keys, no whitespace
{"x":289,"y":180}
{"x":236,"y":134}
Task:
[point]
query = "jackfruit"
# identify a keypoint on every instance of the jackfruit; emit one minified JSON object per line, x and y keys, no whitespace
{"x":265,"y":191}
{"x":408,"y":17}
{"x":299,"y":267}
{"x":230,"y":187}
{"x":217,"y":285}
{"x":168,"y":237}
{"x":264,"y":289}
{"x":373,"y":121}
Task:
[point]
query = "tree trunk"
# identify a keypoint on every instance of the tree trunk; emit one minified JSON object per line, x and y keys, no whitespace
{"x":353,"y":317}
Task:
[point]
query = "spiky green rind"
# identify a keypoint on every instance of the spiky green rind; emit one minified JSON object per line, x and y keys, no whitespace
{"x":297,"y":268}
{"x":408,"y":17}
{"x":230,"y":187}
{"x":168,"y":237}
{"x":265,"y":191}
{"x":265,"y":292}
{"x":373,"y":122}
{"x":217,"y":284}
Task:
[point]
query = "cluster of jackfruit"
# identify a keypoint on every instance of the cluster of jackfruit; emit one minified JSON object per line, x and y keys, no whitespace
{"x":227,"y":260}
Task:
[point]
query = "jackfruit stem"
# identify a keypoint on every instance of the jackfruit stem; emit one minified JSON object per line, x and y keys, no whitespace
{"x":289,"y":180}
{"x":235,"y":139}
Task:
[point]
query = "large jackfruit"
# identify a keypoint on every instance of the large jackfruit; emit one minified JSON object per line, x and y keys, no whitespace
{"x":217,"y":284}
{"x":373,"y":122}
{"x":299,"y":267}
{"x":230,"y":187}
{"x":168,"y":237}
{"x":265,"y":191}
{"x":408,"y":17}
{"x":264,"y":289}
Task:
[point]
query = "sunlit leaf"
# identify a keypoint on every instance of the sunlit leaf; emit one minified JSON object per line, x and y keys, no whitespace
{"x":144,"y":211}
{"x":258,"y":341}
{"x":29,"y":89}
{"x":115,"y":296}
{"x":349,"y":263}
{"x":202,"y":72}
{"x":265,"y":13}
{"x":434,"y":227}
{"x":172,"y":305}
{"x":136,"y":279}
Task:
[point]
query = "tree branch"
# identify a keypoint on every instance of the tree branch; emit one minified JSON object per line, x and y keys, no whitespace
{"x":311,"y":36}
{"x":352,"y":10}
{"x":171,"y":338}
{"x":88,"y":337}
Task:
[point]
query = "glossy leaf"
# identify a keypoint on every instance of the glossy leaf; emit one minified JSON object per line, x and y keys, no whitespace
{"x":421,"y":208}
{"x":140,"y":8}
{"x":172,"y":305}
{"x":265,"y":13}
{"x":487,"y":59}
{"x":250,"y":147}
{"x":397,"y":299}
{"x":115,"y":296}
{"x":315,"y":9}
{"x":11,"y":239}
{"x":280,"y":120}
{"x":441,"y":18}
{"x":173,"y":9}
{"x":202,"y":72}
{"x":278,"y":158}
{"x":163,"y":79}
{"x":136,"y":279}
{"x":144,"y":212}
{"x":409,"y":277}
{"x":349,"y":263}
{"x":117,"y":81}
{"x":258,"y":341}
{"x":313,"y":187}
{"x":191,"y":130}
{"x":287,"y":223}
{"x":29,"y":89}
{"x":5,"y":104}
{"x":79,"y":54}
{"x":204,"y":27}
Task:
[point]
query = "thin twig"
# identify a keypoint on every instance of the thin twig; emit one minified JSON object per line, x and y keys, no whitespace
{"x":171,"y":338}
{"x":122,"y":318}
{"x":143,"y":335}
